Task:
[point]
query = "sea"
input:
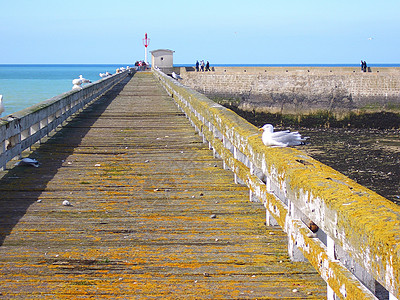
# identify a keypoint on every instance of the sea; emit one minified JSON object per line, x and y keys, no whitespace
{"x":25,"y":85}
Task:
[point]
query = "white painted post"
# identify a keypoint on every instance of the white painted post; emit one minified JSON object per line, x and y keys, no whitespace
{"x":268,"y":184}
{"x":269,"y":219}
{"x":43,"y":124}
{"x":236,"y":155}
{"x":252,"y":196}
{"x":224,"y":142}
{"x":330,"y":245}
{"x":294,"y":252}
{"x":204,"y":139}
{"x":211,"y":128}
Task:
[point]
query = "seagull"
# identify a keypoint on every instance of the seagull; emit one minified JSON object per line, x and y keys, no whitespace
{"x":280,"y":138}
{"x":84,"y":80}
{"x":66,"y":203}
{"x":104,"y":75}
{"x":76,"y":84}
{"x":176,"y":76}
{"x":2,"y":109}
{"x":28,"y":161}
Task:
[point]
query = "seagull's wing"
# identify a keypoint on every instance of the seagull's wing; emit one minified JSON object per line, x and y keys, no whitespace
{"x":269,"y":139}
{"x":280,"y":133}
{"x":282,"y":138}
{"x":291,"y":138}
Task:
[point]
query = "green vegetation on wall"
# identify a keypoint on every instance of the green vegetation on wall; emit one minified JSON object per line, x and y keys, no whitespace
{"x":380,"y":120}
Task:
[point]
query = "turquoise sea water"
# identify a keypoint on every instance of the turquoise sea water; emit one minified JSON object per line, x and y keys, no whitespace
{"x":25,"y":85}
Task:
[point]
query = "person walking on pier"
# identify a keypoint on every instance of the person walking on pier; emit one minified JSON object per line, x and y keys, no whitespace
{"x":363,"y":66}
{"x":197,"y":65}
{"x":202,"y":65}
{"x":207,"y":66}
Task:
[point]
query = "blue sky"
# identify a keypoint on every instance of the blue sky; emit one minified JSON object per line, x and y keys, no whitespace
{"x":234,"y":32}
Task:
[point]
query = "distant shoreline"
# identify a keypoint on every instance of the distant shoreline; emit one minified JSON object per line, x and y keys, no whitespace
{"x":381,"y":65}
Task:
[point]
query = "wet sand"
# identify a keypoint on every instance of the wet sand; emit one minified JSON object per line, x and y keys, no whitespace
{"x":371,"y":157}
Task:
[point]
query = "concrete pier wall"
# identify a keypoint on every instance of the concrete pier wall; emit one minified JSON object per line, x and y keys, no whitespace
{"x":294,"y":90}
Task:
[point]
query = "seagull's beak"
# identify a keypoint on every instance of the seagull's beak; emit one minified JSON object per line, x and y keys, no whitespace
{"x":260,"y":129}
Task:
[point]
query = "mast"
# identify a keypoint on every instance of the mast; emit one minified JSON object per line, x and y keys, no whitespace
{"x":146,"y":42}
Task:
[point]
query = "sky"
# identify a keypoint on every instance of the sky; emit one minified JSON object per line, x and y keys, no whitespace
{"x":222,"y":32}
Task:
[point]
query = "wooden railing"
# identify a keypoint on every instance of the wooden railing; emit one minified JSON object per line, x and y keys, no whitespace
{"x":357,"y":246}
{"x":21,"y":130}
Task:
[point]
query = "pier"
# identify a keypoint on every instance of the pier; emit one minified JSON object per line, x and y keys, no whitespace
{"x":159,"y":209}
{"x":153,"y":214}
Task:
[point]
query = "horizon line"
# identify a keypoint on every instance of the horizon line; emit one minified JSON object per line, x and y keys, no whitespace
{"x":192,"y":64}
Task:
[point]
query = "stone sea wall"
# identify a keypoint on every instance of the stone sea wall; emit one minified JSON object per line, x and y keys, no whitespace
{"x":300,"y":90}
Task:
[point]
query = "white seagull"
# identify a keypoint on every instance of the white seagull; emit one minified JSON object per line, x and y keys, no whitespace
{"x":77,"y":84}
{"x":28,"y":161}
{"x":2,"y":109}
{"x":104,"y":75}
{"x":84,"y":80}
{"x":176,"y":76}
{"x":66,"y":203}
{"x":280,"y":138}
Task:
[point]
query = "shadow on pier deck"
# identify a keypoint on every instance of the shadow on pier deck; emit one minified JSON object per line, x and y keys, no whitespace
{"x":153,"y":214}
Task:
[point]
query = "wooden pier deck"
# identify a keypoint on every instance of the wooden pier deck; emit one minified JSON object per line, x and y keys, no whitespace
{"x":153,"y":215}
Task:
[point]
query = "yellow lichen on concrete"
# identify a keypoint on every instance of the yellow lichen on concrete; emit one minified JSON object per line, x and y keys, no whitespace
{"x":359,"y":220}
{"x":344,"y":284}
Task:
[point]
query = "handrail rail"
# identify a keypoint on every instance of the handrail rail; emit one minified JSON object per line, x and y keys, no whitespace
{"x":358,"y":241}
{"x":22,"y":129}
